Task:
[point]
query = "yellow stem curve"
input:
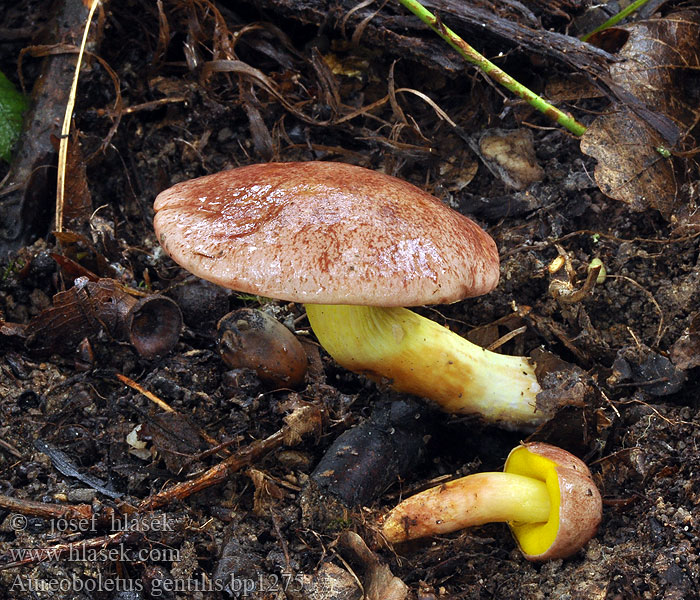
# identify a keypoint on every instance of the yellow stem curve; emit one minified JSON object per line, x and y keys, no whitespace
{"x":419,"y":356}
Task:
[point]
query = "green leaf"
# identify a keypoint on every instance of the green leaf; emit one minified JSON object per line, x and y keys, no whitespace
{"x":12,"y":104}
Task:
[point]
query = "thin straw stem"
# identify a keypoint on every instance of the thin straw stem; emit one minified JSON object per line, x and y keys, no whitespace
{"x":615,"y":19}
{"x":496,"y":73}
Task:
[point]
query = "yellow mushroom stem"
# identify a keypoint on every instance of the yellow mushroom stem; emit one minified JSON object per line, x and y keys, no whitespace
{"x":419,"y":356}
{"x":545,"y":494}
{"x":468,"y":502}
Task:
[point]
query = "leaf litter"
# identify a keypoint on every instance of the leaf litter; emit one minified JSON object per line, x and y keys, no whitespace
{"x":295,"y":90}
{"x":644,"y":156}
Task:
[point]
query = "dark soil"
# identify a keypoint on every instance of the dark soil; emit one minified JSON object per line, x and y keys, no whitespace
{"x":632,"y":337}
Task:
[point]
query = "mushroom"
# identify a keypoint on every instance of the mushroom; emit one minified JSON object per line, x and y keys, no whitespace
{"x":355,"y":246}
{"x":545,"y":494}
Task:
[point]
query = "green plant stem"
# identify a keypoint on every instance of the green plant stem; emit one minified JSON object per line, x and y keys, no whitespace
{"x":615,"y":19}
{"x":496,"y":73}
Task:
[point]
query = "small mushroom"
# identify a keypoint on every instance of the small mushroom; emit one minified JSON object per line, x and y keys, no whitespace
{"x":545,"y":494}
{"x":355,"y":246}
{"x":153,"y":324}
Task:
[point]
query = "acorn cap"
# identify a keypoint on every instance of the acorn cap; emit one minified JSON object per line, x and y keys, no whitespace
{"x":575,"y":503}
{"x":324,"y":233}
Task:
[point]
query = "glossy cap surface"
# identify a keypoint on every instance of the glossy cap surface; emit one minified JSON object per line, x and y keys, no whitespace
{"x":324,"y":233}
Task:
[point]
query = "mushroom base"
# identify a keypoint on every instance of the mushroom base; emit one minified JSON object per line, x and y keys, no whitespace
{"x":419,"y":356}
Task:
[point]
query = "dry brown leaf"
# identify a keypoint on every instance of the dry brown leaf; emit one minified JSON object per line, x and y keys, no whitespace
{"x":658,"y":59}
{"x":77,"y":207}
{"x":629,"y":166}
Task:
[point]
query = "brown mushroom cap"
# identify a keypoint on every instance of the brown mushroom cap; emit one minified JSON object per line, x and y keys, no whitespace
{"x":324,"y":233}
